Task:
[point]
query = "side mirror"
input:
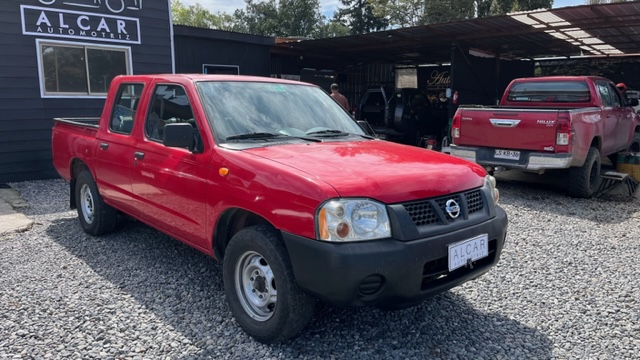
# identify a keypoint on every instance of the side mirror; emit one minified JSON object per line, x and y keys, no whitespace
{"x":178,"y":135}
{"x":632,"y":102}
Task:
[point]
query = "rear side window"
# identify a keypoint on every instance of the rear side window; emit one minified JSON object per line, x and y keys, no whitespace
{"x":125,"y":108}
{"x":550,"y":91}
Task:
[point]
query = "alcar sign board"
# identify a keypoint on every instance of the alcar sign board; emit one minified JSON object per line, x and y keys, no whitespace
{"x":42,"y":21}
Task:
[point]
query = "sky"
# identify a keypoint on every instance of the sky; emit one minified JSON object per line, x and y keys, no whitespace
{"x":327,"y":7}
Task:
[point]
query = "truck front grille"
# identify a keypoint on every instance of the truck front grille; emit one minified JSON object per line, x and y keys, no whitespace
{"x":424,"y":212}
{"x":474,"y":201}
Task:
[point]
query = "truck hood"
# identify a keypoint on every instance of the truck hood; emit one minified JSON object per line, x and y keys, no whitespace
{"x":376,"y":169}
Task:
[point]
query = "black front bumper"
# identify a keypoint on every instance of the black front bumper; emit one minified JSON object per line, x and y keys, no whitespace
{"x":389,"y":272}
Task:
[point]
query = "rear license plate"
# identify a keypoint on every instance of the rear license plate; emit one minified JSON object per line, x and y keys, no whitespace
{"x":507,"y":154}
{"x":468,"y":250}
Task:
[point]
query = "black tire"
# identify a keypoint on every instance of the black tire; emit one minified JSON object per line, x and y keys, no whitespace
{"x":96,"y":217}
{"x":634,"y":146}
{"x":260,"y":287}
{"x":585,"y":180}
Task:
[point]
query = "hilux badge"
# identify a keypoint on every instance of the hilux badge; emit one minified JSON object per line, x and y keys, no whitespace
{"x":452,"y":208}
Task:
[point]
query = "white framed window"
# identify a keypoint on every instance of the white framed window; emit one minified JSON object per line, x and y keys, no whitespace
{"x":220,"y":69}
{"x":72,"y":69}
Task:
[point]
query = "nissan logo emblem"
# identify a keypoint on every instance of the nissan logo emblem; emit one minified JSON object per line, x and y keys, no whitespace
{"x":452,"y":208}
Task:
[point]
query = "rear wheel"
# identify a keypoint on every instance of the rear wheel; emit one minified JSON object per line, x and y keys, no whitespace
{"x":260,"y":287}
{"x":585,"y":180}
{"x":95,"y":216}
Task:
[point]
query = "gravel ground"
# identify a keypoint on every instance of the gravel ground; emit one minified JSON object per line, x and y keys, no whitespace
{"x":567,"y":287}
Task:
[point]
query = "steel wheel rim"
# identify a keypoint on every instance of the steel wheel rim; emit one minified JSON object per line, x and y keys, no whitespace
{"x":256,"y":286}
{"x":86,"y":203}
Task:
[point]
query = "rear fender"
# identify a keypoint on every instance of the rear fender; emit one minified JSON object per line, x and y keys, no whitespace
{"x":586,"y":135}
{"x":76,"y":167}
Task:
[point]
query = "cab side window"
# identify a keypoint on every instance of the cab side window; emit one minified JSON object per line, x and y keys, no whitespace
{"x":170,"y":104}
{"x":605,"y":94}
{"x":125,"y":108}
{"x":615,"y":96}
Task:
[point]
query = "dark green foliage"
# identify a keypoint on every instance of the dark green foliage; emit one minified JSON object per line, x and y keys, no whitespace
{"x":359,"y":17}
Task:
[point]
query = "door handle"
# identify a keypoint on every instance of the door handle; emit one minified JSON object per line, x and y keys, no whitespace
{"x":138,"y":155}
{"x":104,"y":146}
{"x":504,"y":122}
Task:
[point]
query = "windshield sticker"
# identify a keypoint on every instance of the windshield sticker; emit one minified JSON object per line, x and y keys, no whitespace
{"x":277,"y":88}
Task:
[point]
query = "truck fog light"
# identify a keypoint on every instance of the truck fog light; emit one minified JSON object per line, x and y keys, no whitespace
{"x":371,"y":285}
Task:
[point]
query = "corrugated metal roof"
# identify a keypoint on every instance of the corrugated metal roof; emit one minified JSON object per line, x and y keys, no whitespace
{"x":611,"y":29}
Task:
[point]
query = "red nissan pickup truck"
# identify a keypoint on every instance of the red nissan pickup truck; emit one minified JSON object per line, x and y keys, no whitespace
{"x":276,"y":180}
{"x":558,"y":122}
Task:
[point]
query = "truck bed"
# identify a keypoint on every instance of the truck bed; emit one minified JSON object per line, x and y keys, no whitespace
{"x":83,"y":121}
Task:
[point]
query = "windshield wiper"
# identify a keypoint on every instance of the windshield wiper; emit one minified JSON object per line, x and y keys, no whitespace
{"x":266,"y":136}
{"x":253,"y":135}
{"x":328,"y":132}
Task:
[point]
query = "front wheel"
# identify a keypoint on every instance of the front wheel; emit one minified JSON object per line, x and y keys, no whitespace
{"x":585,"y":180}
{"x":260,"y":287}
{"x":634,"y":146}
{"x":95,"y":216}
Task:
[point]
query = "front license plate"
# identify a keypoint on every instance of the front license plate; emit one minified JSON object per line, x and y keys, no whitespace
{"x":468,"y":250}
{"x":507,"y":154}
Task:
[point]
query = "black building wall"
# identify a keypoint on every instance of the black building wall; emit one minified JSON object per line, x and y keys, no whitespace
{"x":195,"y":47}
{"x":481,"y":80}
{"x":25,"y":113}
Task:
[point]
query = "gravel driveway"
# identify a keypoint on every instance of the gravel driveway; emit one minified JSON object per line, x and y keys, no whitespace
{"x":567,"y":286}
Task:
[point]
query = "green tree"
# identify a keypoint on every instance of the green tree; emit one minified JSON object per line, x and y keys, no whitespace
{"x":483,"y":8}
{"x":448,"y":10}
{"x":259,"y":17}
{"x":299,"y":17}
{"x":501,"y":7}
{"x":330,"y":28}
{"x":401,"y":13}
{"x":360,"y":17}
{"x":280,"y":18}
{"x":526,"y":5}
{"x":197,"y":16}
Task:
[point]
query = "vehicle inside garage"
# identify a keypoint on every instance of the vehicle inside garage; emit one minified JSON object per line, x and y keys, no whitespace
{"x":465,"y":62}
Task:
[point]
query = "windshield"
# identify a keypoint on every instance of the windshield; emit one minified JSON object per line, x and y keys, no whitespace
{"x":550,"y":91}
{"x":238,"y":111}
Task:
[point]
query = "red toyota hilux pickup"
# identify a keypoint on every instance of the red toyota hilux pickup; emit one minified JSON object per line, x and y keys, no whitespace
{"x":563,"y":122}
{"x":276,"y":180}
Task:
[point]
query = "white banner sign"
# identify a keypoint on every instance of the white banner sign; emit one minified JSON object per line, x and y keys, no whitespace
{"x":42,"y":21}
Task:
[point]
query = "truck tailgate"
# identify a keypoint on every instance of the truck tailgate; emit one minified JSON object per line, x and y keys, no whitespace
{"x":519,"y":129}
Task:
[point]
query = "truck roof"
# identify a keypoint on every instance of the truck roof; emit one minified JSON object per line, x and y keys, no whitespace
{"x":559,"y":78}
{"x":208,"y":77}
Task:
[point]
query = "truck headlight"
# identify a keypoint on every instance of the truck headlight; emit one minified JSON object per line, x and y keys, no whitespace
{"x":490,"y":182}
{"x":352,"y":220}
